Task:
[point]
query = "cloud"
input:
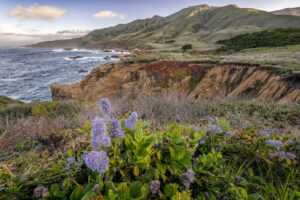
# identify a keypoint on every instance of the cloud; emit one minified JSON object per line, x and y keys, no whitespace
{"x":46,"y":13}
{"x":73,"y":31}
{"x":108,"y":14}
{"x":16,"y":35}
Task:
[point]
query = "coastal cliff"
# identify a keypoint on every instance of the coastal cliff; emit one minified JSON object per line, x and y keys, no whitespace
{"x":197,"y":80}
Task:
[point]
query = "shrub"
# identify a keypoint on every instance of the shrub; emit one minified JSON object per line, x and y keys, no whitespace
{"x":170,"y":41}
{"x":265,"y":38}
{"x":186,"y":47}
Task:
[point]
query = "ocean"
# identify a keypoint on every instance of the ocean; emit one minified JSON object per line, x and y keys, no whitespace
{"x":26,"y":74}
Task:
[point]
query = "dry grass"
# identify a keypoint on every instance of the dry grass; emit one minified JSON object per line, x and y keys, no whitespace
{"x":159,"y":110}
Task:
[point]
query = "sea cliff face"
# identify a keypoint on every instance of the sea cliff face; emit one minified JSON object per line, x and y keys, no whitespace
{"x":198,"y":81}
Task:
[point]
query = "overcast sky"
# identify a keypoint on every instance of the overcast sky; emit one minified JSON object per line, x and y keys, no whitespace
{"x":27,"y":21}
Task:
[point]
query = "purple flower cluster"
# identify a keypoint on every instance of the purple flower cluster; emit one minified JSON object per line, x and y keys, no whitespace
{"x":40,"y":192}
{"x":154,"y":187}
{"x":217,"y":129}
{"x":99,"y":135}
{"x":282,"y":155}
{"x":273,"y":143}
{"x":105,"y":107}
{"x":272,"y":154}
{"x":266,"y":133}
{"x":230,"y":134}
{"x":97,"y":161}
{"x":195,"y":129}
{"x":211,"y":120}
{"x":70,"y":162}
{"x":188,"y":177}
{"x":131,"y":121}
{"x":291,"y":156}
{"x":116,"y":129}
{"x":201,"y":142}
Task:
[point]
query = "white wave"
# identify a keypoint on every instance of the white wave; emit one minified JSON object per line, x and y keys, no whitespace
{"x":57,"y":50}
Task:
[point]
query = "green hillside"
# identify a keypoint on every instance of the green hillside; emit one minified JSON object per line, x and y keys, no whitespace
{"x":266,"y":38}
{"x":201,"y":25}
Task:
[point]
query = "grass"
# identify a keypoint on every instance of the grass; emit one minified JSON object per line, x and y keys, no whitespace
{"x":226,"y":166}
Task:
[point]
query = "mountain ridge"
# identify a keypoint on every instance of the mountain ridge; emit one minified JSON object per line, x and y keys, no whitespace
{"x":288,"y":11}
{"x":202,"y":25}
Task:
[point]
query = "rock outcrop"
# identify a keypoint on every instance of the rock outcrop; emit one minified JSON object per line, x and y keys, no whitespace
{"x":198,"y":81}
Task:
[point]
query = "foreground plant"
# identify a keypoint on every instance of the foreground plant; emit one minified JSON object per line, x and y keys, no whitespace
{"x":126,"y":159}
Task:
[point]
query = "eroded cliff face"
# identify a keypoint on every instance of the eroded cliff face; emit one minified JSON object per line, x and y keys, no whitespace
{"x":198,"y":81}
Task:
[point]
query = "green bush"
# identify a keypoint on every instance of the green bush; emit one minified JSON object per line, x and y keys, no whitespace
{"x":265,"y":38}
{"x":187,"y":47}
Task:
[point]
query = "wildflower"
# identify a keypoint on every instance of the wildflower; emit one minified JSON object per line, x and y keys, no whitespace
{"x":116,"y":129}
{"x":278,"y":143}
{"x":211,"y":120}
{"x":219,"y":146}
{"x":131,"y":121}
{"x":271,"y":155}
{"x":168,"y":140}
{"x":244,"y":125}
{"x":289,"y":141}
{"x":290,"y":156}
{"x":99,"y":135}
{"x":230,"y":134}
{"x":188,"y":177}
{"x":237,"y":179}
{"x":201,"y":142}
{"x":282,"y":155}
{"x":216,"y":128}
{"x":273,"y":143}
{"x":40,"y":191}
{"x":187,"y":139}
{"x":105,"y":107}
{"x":195,"y":129}
{"x":266,"y":133}
{"x":157,"y":146}
{"x":97,"y":161}
{"x":196,"y":160}
{"x":70,"y":162}
{"x":96,"y":188}
{"x":178,"y":119}
{"x":81,"y":159}
{"x":154,"y":187}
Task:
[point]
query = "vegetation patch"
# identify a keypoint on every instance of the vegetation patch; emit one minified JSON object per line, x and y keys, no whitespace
{"x":266,"y":38}
{"x":124,"y":158}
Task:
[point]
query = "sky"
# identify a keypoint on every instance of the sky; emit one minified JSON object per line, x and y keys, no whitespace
{"x":29,"y":21}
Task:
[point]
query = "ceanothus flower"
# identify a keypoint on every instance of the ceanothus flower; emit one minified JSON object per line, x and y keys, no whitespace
{"x":99,"y":135}
{"x":291,"y":156}
{"x":188,"y":177}
{"x":266,"y":133}
{"x":230,"y":134}
{"x":195,"y":129}
{"x":116,"y":129}
{"x":70,"y":162}
{"x":105,"y":107}
{"x":201,"y":142}
{"x":273,"y":143}
{"x":211,"y":120}
{"x":40,"y":191}
{"x":218,"y":129}
{"x":97,"y":161}
{"x":282,"y":155}
{"x":131,"y":121}
{"x":272,"y":154}
{"x":154,"y":187}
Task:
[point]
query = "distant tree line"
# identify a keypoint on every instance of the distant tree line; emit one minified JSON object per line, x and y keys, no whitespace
{"x":265,"y":38}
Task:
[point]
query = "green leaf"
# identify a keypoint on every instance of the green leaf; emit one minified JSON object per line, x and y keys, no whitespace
{"x":56,"y":192}
{"x":138,"y":135}
{"x":123,"y":189}
{"x":150,"y":174}
{"x":77,"y":193}
{"x":177,"y":153}
{"x":254,"y":196}
{"x":170,"y":190}
{"x":135,"y":189}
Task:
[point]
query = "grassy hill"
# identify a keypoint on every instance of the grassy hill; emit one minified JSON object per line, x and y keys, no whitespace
{"x":266,"y":38}
{"x":288,"y":11}
{"x":201,"y":25}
